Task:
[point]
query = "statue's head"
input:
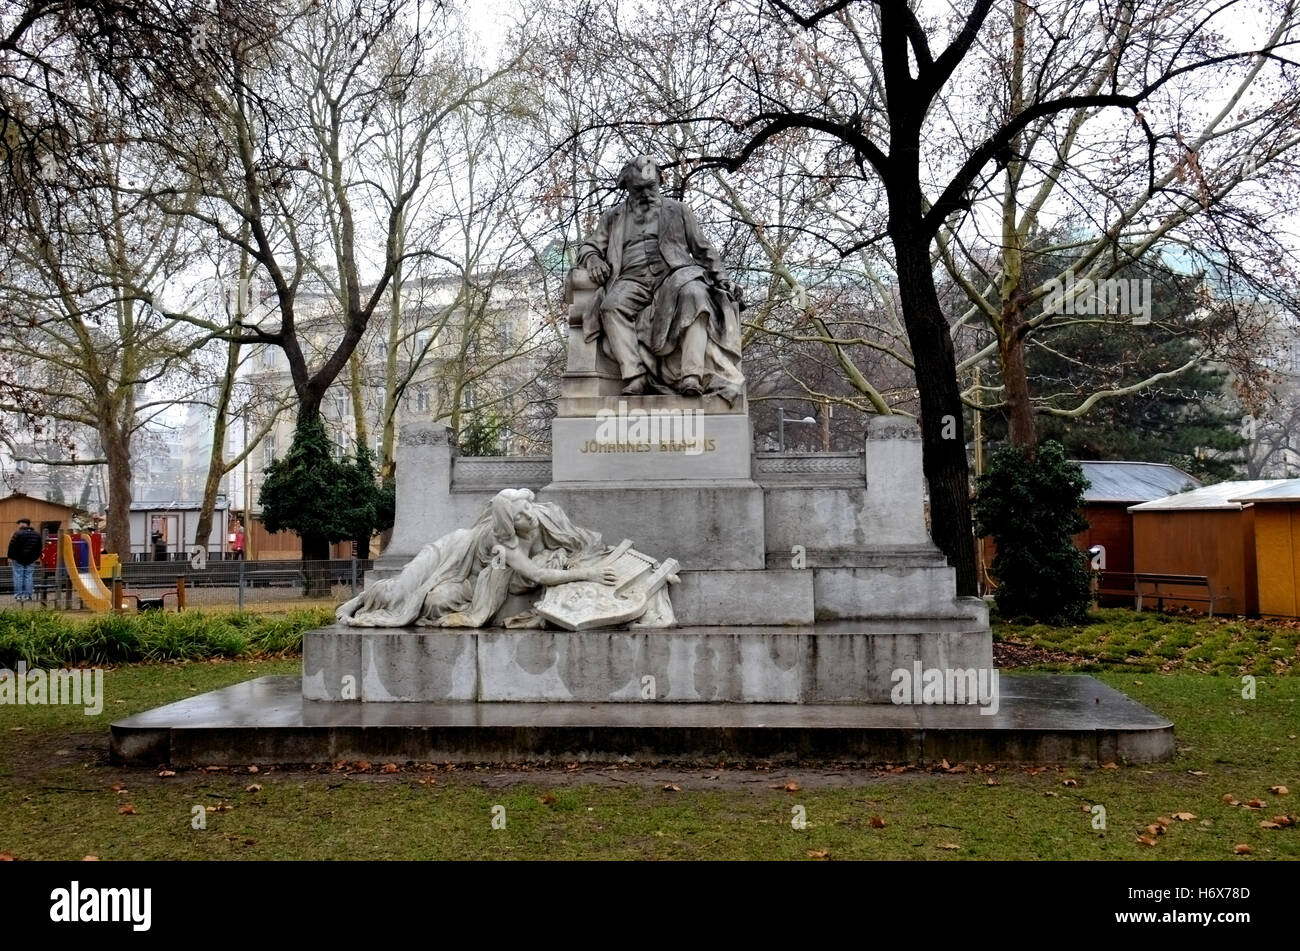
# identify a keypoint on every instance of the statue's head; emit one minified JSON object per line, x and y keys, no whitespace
{"x":641,"y":172}
{"x":512,"y":516}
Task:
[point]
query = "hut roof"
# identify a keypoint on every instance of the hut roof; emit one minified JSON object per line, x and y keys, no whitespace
{"x":1221,"y":495}
{"x":1287,"y":490}
{"x":1133,"y":481}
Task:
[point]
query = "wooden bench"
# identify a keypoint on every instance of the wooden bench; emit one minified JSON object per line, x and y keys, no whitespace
{"x":1117,"y":584}
{"x":1141,"y":578}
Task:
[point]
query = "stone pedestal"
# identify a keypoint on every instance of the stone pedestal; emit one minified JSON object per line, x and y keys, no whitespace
{"x":846,"y":662}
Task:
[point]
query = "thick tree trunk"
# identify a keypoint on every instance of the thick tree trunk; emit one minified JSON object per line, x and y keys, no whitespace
{"x":1015,"y":379}
{"x":315,"y":551}
{"x":943,"y":437}
{"x":117,"y":451}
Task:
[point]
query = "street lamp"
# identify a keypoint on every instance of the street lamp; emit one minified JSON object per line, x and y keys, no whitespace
{"x":793,"y":422}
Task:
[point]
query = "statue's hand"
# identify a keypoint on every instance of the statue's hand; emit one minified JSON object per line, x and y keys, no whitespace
{"x":731,"y":289}
{"x":602,"y":575}
{"x":597,"y":268}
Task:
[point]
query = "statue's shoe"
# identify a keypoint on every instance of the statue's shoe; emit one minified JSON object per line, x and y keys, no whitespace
{"x":635,"y":386}
{"x":691,"y":386}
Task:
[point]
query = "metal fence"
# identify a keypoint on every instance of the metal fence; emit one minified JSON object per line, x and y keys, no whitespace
{"x":233,"y":584}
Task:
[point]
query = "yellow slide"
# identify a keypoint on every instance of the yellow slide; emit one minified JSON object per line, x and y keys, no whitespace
{"x":85,"y":581}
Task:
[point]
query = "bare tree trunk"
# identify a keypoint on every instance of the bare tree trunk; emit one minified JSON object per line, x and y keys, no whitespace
{"x":117,"y":451}
{"x":1015,"y":378}
{"x":943,"y":440}
{"x":217,"y":458}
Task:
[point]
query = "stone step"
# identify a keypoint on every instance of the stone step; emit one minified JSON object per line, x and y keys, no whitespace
{"x":1041,"y":719}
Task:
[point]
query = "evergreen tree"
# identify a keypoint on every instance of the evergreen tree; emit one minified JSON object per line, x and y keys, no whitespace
{"x":321,"y":498}
{"x":1191,"y":420}
{"x":1030,"y":506}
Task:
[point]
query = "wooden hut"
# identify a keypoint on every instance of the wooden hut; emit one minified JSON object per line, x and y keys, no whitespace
{"x":47,"y":517}
{"x":1277,"y":546}
{"x":1202,"y":533}
{"x":1113,"y":487}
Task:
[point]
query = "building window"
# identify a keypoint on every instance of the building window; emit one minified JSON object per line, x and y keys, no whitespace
{"x":421,"y":400}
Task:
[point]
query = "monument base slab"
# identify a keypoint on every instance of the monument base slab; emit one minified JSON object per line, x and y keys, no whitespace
{"x":1042,"y":719}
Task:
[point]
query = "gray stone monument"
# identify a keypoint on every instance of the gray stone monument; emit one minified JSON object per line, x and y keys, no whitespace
{"x":802,"y":584}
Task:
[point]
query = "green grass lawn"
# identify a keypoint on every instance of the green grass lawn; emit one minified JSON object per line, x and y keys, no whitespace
{"x":58,"y":801}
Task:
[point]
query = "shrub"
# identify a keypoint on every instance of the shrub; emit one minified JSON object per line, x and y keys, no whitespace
{"x":1031,"y":508}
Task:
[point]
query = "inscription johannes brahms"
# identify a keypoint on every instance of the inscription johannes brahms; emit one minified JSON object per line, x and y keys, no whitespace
{"x":641,"y":430}
{"x":690,"y":448}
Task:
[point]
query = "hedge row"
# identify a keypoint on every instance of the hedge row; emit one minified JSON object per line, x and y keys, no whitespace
{"x":50,"y":639}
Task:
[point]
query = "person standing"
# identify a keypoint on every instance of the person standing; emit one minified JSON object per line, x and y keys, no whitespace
{"x":24,"y":552}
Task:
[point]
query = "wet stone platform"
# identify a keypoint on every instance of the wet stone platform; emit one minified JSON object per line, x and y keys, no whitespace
{"x":1040,"y":718}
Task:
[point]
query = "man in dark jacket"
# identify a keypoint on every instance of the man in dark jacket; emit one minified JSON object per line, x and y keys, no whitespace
{"x":24,"y":552}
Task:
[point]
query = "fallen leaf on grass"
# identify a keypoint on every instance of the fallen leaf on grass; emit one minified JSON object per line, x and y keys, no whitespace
{"x":1279,"y":790}
{"x":253,"y":769}
{"x":1184,"y":816}
{"x":991,"y":782}
{"x":1069,"y":782}
{"x":1255,"y":804}
{"x":1110,"y":765}
{"x":118,"y":787}
{"x":253,"y":787}
{"x":388,"y":768}
{"x":876,"y":822}
{"x":164,"y":773}
{"x":1284,"y":820}
{"x":1164,"y":822}
{"x":950,"y":846}
{"x":818,"y":853}
{"x":1146,"y":840}
{"x":215,"y":769}
{"x":548,"y":799}
{"x":791,"y":786}
{"x":1231,"y":800}
{"x":127,"y":810}
{"x":220,"y":807}
{"x":1197,"y":772}
{"x":672,"y":787}
{"x":90,"y":858}
{"x":1241,"y":849}
{"x":362,"y":765}
{"x":1267,"y":824}
{"x":6,"y":857}
{"x":1154,"y":829}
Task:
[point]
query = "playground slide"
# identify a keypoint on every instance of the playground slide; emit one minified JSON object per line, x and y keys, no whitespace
{"x":85,"y":581}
